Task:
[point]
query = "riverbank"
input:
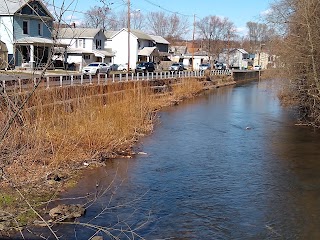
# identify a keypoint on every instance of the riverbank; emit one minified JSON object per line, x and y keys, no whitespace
{"x":49,"y":144}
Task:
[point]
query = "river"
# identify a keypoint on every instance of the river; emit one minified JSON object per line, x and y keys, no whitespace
{"x":230,"y":164}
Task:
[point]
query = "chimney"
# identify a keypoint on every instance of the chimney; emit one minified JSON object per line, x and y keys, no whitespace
{"x":73,"y":25}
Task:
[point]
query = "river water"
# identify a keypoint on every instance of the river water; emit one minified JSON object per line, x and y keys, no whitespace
{"x":230,"y":164}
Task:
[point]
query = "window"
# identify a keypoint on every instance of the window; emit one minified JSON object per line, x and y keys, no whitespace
{"x":80,"y":43}
{"x":86,"y":57}
{"x":98,"y":44}
{"x":25,"y":27}
{"x":40,"y":29}
{"x":84,"y":43}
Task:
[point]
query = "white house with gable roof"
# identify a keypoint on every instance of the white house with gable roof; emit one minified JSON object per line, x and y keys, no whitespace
{"x":85,"y":45}
{"x":143,"y":47}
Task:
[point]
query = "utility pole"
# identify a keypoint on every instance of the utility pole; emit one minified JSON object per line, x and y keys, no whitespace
{"x":128,"y":36}
{"x":194,"y":27}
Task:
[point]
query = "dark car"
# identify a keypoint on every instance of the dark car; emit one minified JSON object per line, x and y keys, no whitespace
{"x":220,"y":66}
{"x":145,"y":67}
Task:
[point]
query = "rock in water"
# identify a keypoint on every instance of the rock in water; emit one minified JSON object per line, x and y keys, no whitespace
{"x":65,"y":211}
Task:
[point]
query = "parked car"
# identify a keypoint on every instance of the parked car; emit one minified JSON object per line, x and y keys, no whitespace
{"x":95,"y":68}
{"x":176,"y":67}
{"x":113,"y":67}
{"x":257,"y":67}
{"x":145,"y":67}
{"x":123,"y":67}
{"x":220,"y":66}
{"x":204,"y":66}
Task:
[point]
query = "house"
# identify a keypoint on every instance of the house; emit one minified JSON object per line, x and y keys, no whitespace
{"x":195,"y":60}
{"x":25,"y":28}
{"x":85,"y":45}
{"x":3,"y":55}
{"x":143,"y":47}
{"x":236,"y":58}
{"x":262,"y":59}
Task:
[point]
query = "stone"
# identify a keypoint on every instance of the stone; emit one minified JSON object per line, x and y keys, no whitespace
{"x":96,"y":238}
{"x":65,"y":211}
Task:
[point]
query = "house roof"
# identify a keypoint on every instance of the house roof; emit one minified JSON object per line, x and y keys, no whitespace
{"x":238,"y":49}
{"x":148,"y":51}
{"x":140,"y":35}
{"x":137,"y":33}
{"x":10,"y":7}
{"x":178,"y":49}
{"x":99,"y":53}
{"x":159,"y":39}
{"x":109,"y":34}
{"x":37,"y":40}
{"x":77,"y":32}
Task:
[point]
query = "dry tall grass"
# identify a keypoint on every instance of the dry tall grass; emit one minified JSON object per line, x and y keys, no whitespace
{"x":62,"y":127}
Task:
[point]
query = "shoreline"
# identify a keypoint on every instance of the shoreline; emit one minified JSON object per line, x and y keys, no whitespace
{"x":46,"y":189}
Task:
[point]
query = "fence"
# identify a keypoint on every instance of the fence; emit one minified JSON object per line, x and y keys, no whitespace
{"x":102,"y":78}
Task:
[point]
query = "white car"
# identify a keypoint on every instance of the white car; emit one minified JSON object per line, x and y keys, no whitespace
{"x":123,"y":67}
{"x":257,"y":67}
{"x":95,"y":68}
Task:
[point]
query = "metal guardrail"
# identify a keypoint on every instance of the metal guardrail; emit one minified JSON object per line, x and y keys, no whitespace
{"x":102,"y":78}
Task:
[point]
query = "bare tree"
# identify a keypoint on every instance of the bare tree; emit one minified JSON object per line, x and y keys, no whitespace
{"x":215,"y":31}
{"x":300,"y":52}
{"x":172,"y":27}
{"x":137,"y":20}
{"x":98,"y":17}
{"x":258,"y":33}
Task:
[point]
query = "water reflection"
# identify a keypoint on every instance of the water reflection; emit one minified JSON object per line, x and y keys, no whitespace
{"x":228,"y":165}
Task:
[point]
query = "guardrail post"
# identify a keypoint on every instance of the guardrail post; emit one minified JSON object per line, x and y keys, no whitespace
{"x":147,"y":75}
{"x":106,"y":78}
{"x":132,"y":75}
{"x":142,"y":75}
{"x":127,"y":76}
{"x":98,"y":78}
{"x":4,"y":85}
{"x":34,"y":81}
{"x":120,"y":77}
{"x":71,"y":80}
{"x":112,"y":77}
{"x":81,"y":79}
{"x":61,"y":78}
{"x":90,"y":79}
{"x":137,"y":76}
{"x":20,"y":86}
{"x":48,"y":79}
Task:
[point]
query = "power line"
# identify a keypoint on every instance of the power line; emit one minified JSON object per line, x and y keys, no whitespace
{"x":174,"y":12}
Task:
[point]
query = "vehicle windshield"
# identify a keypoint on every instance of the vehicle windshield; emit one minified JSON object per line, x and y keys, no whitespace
{"x":204,"y":64}
{"x":93,"y":65}
{"x":175,"y":64}
{"x":141,"y":64}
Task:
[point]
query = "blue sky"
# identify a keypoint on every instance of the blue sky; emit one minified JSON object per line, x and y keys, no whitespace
{"x":238,"y":11}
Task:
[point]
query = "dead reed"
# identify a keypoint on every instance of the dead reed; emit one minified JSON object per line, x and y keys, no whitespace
{"x":63,"y":127}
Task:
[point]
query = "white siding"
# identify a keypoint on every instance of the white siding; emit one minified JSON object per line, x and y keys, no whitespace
{"x":6,"y":34}
{"x":119,"y":45}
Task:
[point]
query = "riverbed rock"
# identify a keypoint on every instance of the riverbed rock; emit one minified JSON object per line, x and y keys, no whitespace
{"x":65,"y":211}
{"x":96,"y":238}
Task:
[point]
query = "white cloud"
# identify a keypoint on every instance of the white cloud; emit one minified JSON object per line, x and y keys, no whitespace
{"x":242,"y":31}
{"x":266,"y":12}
